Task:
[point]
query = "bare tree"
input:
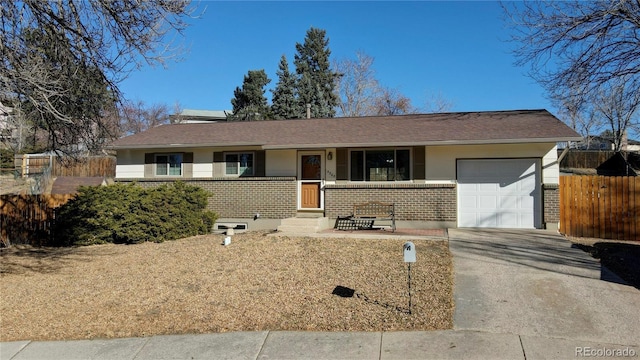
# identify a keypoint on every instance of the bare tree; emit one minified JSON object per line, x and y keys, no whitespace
{"x":392,"y":102}
{"x":361,"y":94}
{"x":592,"y":42}
{"x":579,"y":114}
{"x":437,"y":103}
{"x":177,"y":116}
{"x":137,"y":117}
{"x":619,"y":107}
{"x":357,"y":87}
{"x":63,"y":59}
{"x":582,"y":51}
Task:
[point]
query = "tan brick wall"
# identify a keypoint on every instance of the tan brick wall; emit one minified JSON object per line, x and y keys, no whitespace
{"x":551,"y":203}
{"x":272,"y":197}
{"x":423,"y":202}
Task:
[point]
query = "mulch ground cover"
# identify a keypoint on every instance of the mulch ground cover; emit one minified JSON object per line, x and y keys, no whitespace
{"x":197,"y":285}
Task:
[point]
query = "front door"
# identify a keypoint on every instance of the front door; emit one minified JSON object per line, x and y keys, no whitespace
{"x":310,"y":172}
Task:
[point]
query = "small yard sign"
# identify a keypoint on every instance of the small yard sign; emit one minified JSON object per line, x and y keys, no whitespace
{"x":409,"y":252}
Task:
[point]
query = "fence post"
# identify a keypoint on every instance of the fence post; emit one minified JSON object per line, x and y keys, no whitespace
{"x":24,"y":166}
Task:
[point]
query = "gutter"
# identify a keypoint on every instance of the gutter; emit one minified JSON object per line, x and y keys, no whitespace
{"x":179,"y":146}
{"x":352,"y":145}
{"x":422,"y":143}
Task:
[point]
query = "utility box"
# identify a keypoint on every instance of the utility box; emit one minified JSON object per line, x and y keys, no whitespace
{"x":409,"y":250}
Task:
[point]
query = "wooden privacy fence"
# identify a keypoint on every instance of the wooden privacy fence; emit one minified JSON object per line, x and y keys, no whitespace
{"x":27,"y":219}
{"x":584,"y":159}
{"x":104,"y":166}
{"x":606,"y":207}
{"x":30,"y":164}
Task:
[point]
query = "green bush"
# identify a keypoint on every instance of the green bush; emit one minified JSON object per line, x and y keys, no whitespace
{"x":6,"y":161}
{"x":130,"y":214}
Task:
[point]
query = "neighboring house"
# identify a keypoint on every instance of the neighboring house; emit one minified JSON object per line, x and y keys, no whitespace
{"x":472,"y":169}
{"x":633,"y":146}
{"x":189,"y":116}
{"x":8,"y":131}
{"x":606,"y":143}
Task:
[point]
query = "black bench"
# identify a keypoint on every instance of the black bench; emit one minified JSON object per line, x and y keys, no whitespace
{"x":364,"y":215}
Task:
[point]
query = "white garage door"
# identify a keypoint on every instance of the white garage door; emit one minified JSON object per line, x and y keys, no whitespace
{"x":501,"y":193}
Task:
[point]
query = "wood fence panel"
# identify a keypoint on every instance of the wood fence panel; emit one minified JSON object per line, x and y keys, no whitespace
{"x":563,"y":200}
{"x":605,"y":199}
{"x":619,"y":210}
{"x":591,"y":204}
{"x":625,"y":210}
{"x":27,"y":219}
{"x":636,"y":207}
{"x":601,"y":207}
{"x":104,"y":166}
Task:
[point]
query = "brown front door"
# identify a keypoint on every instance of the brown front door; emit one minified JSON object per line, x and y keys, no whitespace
{"x":311,"y":177}
{"x":310,"y":195}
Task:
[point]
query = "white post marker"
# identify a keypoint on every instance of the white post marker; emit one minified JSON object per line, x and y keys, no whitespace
{"x":409,"y":252}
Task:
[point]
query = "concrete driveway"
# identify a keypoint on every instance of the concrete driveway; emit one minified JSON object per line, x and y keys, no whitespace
{"x":534,"y":283}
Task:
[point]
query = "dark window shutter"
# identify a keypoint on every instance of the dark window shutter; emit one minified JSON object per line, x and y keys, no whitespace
{"x":218,"y":164}
{"x":187,"y":157}
{"x":419,"y":165}
{"x":149,"y":159}
{"x":260,"y":163}
{"x":342,"y":164}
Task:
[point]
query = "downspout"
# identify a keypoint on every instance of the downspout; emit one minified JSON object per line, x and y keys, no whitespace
{"x":563,"y":154}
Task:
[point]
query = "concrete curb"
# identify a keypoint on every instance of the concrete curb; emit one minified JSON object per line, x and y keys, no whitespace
{"x":445,"y":344}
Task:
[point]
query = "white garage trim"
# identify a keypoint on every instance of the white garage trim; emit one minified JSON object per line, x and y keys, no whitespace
{"x":501,"y":193}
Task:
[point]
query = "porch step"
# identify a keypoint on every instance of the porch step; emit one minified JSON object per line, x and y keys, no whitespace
{"x":298,"y":225}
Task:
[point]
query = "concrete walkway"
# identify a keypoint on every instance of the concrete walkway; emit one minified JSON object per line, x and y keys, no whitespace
{"x":519,"y":295}
{"x":451,"y":344}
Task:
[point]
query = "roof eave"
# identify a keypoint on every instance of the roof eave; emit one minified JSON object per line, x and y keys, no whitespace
{"x":422,"y":143}
{"x":180,"y":146}
{"x":352,"y":145}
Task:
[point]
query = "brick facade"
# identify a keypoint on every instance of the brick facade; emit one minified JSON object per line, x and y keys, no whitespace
{"x":551,"y":204}
{"x":276,"y":198}
{"x":422,"y":202}
{"x":272,"y":197}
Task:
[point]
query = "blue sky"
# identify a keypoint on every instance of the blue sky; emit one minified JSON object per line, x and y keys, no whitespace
{"x":457,"y":49}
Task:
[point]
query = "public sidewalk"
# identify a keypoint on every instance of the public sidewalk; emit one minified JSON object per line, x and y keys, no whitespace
{"x":448,"y":344}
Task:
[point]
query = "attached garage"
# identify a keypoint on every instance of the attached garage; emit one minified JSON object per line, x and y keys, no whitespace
{"x":500,"y":193}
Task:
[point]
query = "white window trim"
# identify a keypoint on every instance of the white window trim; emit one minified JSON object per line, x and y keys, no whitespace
{"x":224,"y":156}
{"x":377,"y":149}
{"x":155,"y":165}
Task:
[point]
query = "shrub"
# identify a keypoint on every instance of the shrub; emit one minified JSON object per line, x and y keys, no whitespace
{"x":130,"y":214}
{"x":6,"y":161}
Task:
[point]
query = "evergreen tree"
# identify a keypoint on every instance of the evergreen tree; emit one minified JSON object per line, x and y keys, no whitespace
{"x":249,"y":102}
{"x":316,"y":80}
{"x":285,"y":105}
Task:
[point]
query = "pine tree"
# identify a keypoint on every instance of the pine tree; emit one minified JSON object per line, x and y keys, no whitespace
{"x":285,"y":105}
{"x":316,"y":80}
{"x":249,"y":102}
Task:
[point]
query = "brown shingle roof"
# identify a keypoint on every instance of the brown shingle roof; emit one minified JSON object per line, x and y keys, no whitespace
{"x":419,"y":129}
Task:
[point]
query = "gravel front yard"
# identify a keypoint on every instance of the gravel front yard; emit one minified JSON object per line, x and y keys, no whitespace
{"x":196,"y":285}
